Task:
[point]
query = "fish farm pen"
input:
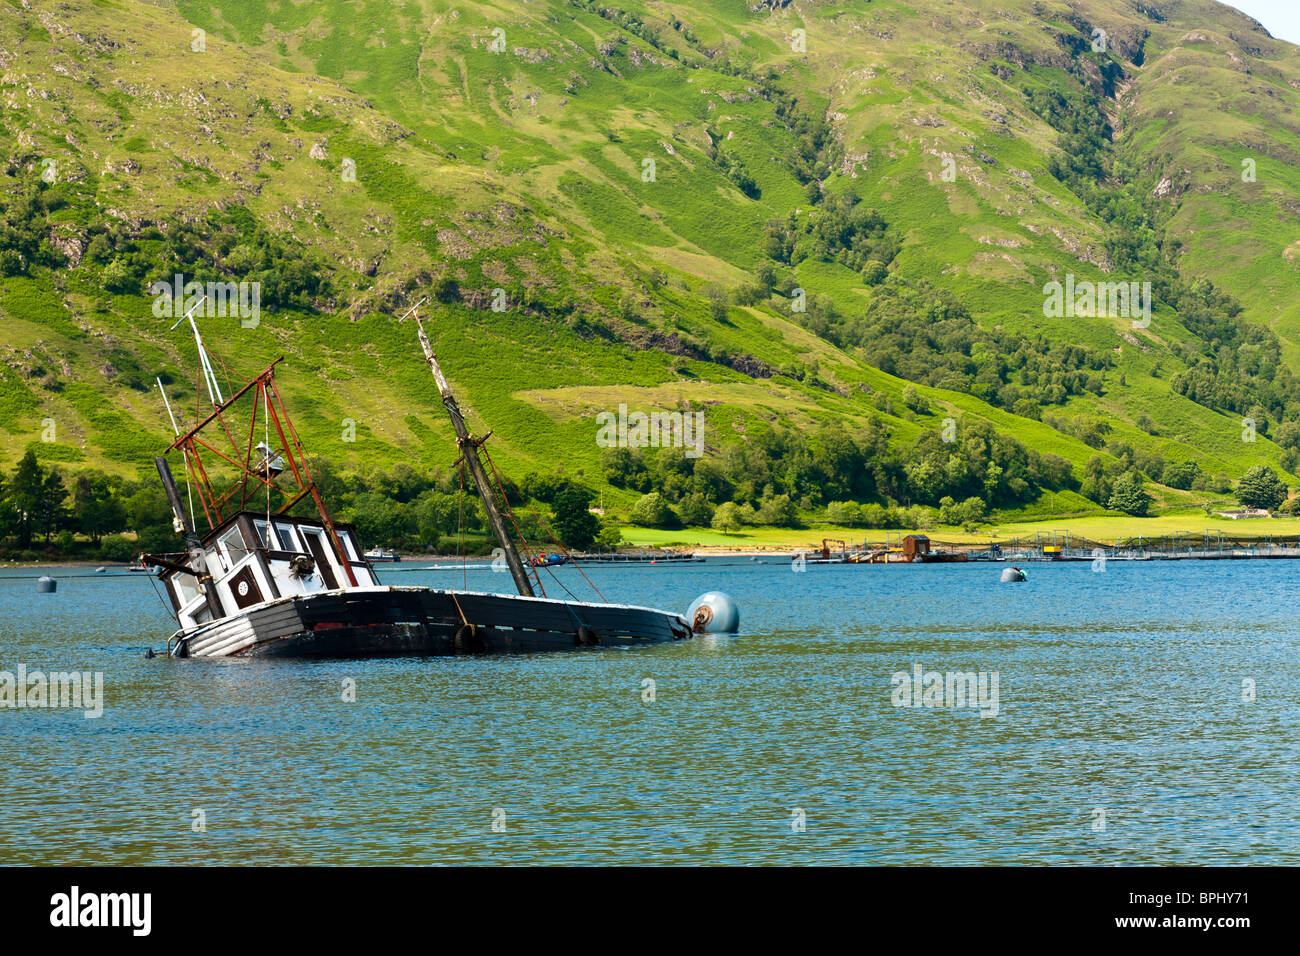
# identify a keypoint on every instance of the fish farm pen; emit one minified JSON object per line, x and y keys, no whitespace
{"x":635,"y":557}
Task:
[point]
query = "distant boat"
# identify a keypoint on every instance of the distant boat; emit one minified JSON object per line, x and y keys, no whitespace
{"x":376,"y":555}
{"x":266,"y":581}
{"x":549,"y":560}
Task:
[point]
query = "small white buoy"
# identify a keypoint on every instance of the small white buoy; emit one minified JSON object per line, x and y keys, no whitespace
{"x":46,"y":585}
{"x":101,"y":570}
{"x":714,"y":613}
{"x":1012,"y":575}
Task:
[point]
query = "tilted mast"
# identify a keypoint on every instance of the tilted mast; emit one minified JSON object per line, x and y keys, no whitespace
{"x":469,"y":451}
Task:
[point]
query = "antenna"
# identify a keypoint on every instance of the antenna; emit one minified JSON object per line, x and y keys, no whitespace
{"x":176,"y":428}
{"x":189,"y":489}
{"x":209,"y":376}
{"x":402,"y":317}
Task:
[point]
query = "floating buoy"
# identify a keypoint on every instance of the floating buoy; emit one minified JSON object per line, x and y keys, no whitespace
{"x":1012,"y":575}
{"x":101,"y":570}
{"x":46,"y":585}
{"x":714,"y":613}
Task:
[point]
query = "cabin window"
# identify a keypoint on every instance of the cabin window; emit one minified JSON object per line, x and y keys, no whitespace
{"x":288,"y":536}
{"x":232,"y":542}
{"x":187,"y":589}
{"x":349,"y":545}
{"x":266,"y":535}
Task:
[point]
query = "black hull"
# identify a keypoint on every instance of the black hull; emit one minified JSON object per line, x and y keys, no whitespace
{"x":420,"y":622}
{"x":426,"y":640}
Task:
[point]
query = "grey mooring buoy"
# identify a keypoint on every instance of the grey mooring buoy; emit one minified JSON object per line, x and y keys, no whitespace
{"x":714,"y":613}
{"x":1012,"y":575}
{"x":46,"y":585}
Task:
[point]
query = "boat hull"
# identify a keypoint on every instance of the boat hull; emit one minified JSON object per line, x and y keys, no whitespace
{"x":413,"y":622}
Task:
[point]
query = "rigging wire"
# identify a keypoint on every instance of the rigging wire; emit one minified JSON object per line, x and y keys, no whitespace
{"x":505,"y":501}
{"x":266,"y":425}
{"x":153,"y":579}
{"x":460,"y":529}
{"x":550,"y":533}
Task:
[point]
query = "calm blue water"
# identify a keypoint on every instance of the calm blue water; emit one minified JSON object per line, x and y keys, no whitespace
{"x":1119,"y":691}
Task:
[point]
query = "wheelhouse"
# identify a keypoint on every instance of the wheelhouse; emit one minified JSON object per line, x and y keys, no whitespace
{"x":252,"y":560}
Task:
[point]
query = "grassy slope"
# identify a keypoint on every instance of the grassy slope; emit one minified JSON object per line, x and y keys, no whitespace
{"x":523,"y":169}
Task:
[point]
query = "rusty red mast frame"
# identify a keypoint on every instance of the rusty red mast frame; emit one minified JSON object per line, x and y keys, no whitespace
{"x":255,"y":476}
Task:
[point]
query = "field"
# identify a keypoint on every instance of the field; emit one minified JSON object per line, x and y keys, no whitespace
{"x":1106,"y":529}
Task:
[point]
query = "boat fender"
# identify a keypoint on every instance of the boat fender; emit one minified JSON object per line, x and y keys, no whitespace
{"x":471,"y":639}
{"x":586,"y":637}
{"x":714,"y":613}
{"x":466,"y":638}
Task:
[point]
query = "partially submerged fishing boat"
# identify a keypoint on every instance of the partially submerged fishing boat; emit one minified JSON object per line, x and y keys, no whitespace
{"x":275,"y":575}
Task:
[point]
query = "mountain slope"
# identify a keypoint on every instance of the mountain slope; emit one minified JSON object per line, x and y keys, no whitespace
{"x":395,"y":149}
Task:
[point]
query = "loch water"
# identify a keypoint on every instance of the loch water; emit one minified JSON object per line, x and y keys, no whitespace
{"x":1146,"y":714}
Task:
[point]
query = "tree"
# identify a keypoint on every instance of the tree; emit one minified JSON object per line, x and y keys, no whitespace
{"x":51,"y":513}
{"x":572,"y":519}
{"x":717,"y":297}
{"x":8,"y":517}
{"x":610,"y":537}
{"x":1180,"y":475}
{"x":778,"y":511}
{"x":25,"y":495}
{"x":948,"y":511}
{"x":380,"y":521}
{"x":913,"y":400}
{"x":1096,"y":483}
{"x":971,"y":511}
{"x":695,"y":510}
{"x":874,"y":272}
{"x":726,"y":519}
{"x":653,"y":511}
{"x":97,"y":507}
{"x":845,"y":513}
{"x":1261,"y":488}
{"x":1128,"y":496}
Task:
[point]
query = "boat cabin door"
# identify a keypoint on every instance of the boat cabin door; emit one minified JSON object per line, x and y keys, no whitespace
{"x":318,"y":544}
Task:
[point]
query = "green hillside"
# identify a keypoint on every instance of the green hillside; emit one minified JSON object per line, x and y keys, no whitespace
{"x":804,"y":219}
